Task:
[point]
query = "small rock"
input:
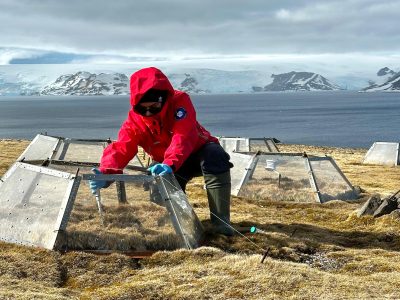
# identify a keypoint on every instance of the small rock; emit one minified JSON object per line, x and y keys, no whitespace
{"x":395,"y":214}
{"x":370,"y":206}
{"x":358,"y":190}
{"x":388,"y":205}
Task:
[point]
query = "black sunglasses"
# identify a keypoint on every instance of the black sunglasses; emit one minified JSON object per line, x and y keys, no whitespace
{"x":153,"y":109}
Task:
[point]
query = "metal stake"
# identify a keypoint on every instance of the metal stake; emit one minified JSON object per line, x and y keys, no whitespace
{"x":98,"y":201}
{"x":121,"y":192}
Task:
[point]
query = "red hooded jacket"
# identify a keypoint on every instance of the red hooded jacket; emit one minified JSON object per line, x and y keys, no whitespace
{"x":168,"y":137}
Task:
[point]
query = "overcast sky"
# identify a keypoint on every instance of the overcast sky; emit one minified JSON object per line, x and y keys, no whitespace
{"x":104,"y":31}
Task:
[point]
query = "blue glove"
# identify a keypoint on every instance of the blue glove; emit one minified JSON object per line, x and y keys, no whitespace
{"x":160,"y":169}
{"x":98,"y":184}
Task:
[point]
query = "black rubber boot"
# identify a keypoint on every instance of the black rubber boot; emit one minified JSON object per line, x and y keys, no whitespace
{"x":219,"y":197}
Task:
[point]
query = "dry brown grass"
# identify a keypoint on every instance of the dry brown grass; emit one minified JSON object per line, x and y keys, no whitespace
{"x":139,"y":225}
{"x":10,"y":150}
{"x":316,"y":251}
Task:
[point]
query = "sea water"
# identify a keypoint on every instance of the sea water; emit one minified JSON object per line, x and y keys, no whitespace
{"x":344,"y":119}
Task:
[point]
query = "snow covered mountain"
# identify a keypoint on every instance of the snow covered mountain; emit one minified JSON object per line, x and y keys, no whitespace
{"x":85,"y":83}
{"x":300,"y":81}
{"x":385,"y":72}
{"x":113,"y":79}
{"x":195,"y":81}
{"x":189,"y":85}
{"x":388,"y":80}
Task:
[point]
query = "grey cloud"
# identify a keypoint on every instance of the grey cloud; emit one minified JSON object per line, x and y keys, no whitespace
{"x":179,"y":27}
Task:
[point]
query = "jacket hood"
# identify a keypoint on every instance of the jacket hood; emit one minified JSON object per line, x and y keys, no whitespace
{"x":146,"y":79}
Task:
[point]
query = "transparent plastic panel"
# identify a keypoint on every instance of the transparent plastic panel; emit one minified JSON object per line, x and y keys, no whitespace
{"x":258,"y":145}
{"x":80,"y":151}
{"x":382,"y":154}
{"x":142,"y":224}
{"x":186,"y":218}
{"x":142,"y":157}
{"x":31,"y":204}
{"x":139,"y":225}
{"x":241,"y":164}
{"x":41,"y":148}
{"x":263,"y":145}
{"x":279,"y":177}
{"x":136,"y":162}
{"x":231,"y":144}
{"x":235,"y":144}
{"x":330,"y":181}
{"x":271,"y":146}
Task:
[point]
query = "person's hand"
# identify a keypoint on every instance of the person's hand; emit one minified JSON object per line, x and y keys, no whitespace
{"x":160,"y":169}
{"x":98,"y":184}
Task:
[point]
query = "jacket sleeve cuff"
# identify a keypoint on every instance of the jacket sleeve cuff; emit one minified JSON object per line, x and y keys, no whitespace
{"x":170,"y":164}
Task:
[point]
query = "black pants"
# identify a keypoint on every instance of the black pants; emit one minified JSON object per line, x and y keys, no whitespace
{"x":209,"y":159}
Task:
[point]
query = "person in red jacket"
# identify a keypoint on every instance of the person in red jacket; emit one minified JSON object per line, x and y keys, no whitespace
{"x":163,"y":122}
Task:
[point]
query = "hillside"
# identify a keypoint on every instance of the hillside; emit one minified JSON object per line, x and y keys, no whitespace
{"x":114,"y":80}
{"x":387,"y":80}
{"x":300,"y":81}
{"x":316,"y":251}
{"x":85,"y":83}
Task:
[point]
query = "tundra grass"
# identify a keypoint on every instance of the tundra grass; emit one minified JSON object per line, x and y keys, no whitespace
{"x":315,"y":251}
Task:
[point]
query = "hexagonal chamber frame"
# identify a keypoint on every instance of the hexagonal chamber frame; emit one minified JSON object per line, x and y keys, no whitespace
{"x":246,"y":144}
{"x":289,"y":176}
{"x":52,"y":150}
{"x":166,"y":192}
{"x":79,"y":151}
{"x":37,"y":203}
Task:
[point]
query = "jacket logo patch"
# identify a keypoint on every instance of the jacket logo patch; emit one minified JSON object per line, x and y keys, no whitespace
{"x":180,"y":113}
